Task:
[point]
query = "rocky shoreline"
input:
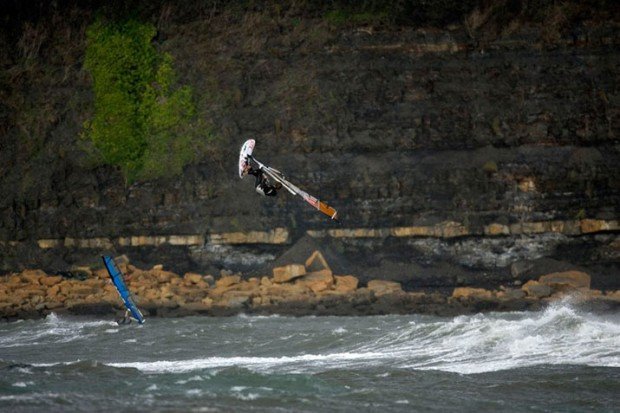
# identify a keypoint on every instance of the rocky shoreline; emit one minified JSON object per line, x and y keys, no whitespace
{"x":300,"y":289}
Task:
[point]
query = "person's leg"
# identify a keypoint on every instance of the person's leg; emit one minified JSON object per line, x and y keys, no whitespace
{"x":270,"y":191}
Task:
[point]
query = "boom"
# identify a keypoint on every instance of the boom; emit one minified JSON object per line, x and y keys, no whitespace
{"x":295,"y":190}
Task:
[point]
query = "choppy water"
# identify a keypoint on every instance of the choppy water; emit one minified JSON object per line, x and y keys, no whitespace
{"x":555,"y":360}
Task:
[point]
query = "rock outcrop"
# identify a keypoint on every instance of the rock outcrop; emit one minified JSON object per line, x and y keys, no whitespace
{"x":296,"y":289}
{"x":440,"y":146}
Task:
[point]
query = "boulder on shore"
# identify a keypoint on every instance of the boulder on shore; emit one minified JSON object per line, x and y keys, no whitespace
{"x":535,"y":289}
{"x":317,"y":281}
{"x":382,"y":287}
{"x":345,"y":283}
{"x":294,"y":289}
{"x":227,"y":281}
{"x":288,"y":272}
{"x":466,"y":293}
{"x":566,"y":280}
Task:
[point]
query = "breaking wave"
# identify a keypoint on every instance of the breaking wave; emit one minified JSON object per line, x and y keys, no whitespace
{"x":466,"y":345}
{"x":559,"y":335}
{"x":485,"y":343}
{"x":53,"y":329}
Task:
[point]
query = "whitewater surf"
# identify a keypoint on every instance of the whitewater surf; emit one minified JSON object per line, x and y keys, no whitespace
{"x":557,"y":359}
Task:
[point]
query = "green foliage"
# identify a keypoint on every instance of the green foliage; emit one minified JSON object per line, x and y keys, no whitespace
{"x":142,"y":123}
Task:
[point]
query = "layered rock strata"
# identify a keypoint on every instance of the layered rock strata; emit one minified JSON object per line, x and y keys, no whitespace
{"x":401,"y":129}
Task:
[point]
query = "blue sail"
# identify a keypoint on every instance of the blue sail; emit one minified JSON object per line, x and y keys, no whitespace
{"x":119,"y":283}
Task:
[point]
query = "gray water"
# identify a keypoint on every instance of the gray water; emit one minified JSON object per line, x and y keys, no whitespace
{"x":559,"y":359}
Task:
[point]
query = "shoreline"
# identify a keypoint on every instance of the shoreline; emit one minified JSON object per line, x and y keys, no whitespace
{"x":388,"y":305}
{"x":292,"y":290}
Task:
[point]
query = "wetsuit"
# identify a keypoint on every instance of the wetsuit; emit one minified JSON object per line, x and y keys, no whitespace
{"x":127,"y":318}
{"x":262,"y":184}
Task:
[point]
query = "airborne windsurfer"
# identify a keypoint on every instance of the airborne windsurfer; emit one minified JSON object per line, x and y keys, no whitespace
{"x":270,"y":180}
{"x":262,"y":184}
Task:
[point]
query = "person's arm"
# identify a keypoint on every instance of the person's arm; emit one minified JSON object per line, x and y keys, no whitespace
{"x":258,"y":174}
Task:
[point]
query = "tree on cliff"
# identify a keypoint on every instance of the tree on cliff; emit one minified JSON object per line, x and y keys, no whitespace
{"x":142,"y":123}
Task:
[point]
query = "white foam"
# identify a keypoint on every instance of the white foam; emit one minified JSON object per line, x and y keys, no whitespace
{"x":54,"y":329}
{"x":465,"y":345}
{"x":238,"y":388}
{"x":60,"y":363}
{"x":20,"y":397}
{"x":54,"y":319}
{"x":257,"y":317}
{"x":24,"y":370}
{"x":483,"y":343}
{"x":255,"y":363}
{"x":28,"y":397}
{"x":248,"y":396}
{"x":243,"y":396}
{"x":194,"y":378}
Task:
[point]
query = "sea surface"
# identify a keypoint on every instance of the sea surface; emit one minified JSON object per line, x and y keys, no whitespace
{"x":559,"y":359}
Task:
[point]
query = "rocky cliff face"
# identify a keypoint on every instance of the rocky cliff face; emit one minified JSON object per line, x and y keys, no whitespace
{"x":452,"y":161}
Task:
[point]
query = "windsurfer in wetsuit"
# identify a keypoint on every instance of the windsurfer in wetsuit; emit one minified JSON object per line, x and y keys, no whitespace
{"x":127,"y":318}
{"x":262,"y":184}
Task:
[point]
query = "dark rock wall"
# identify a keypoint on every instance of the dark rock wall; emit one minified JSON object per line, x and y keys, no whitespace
{"x":394,"y":127}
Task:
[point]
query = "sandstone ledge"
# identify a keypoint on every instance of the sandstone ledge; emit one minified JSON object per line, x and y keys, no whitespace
{"x":160,"y":293}
{"x":280,"y":235}
{"x":451,"y":229}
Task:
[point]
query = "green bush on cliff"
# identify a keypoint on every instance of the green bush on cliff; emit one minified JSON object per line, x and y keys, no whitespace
{"x":142,"y":122}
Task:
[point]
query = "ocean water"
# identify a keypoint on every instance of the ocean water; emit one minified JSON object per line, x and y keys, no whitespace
{"x":559,"y":359}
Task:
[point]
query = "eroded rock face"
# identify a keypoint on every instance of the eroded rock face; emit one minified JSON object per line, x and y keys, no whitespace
{"x":431,"y":135}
